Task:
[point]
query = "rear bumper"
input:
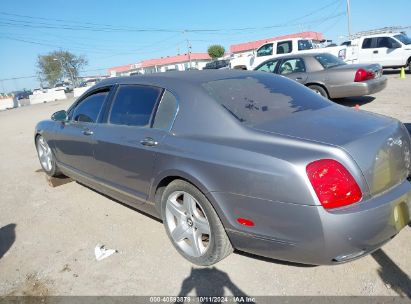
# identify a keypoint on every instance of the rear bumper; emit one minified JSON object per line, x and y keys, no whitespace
{"x":312,"y":235}
{"x":358,"y":88}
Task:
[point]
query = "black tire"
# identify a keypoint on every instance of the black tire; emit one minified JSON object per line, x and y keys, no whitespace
{"x":219,"y":245}
{"x":53,"y":170}
{"x":319,"y":90}
{"x":409,"y":66}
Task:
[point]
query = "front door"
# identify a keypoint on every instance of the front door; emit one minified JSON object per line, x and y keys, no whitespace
{"x":74,"y":143}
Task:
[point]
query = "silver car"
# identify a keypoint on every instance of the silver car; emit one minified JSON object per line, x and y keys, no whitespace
{"x":238,"y":160}
{"x":328,"y":75}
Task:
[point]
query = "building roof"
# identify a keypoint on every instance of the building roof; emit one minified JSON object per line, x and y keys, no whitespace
{"x":174,"y":59}
{"x":124,"y":68}
{"x":252,"y":45}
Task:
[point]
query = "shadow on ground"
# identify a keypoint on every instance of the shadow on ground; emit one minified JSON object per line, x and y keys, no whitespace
{"x":209,"y":282}
{"x":395,"y":72}
{"x":391,"y":274}
{"x":7,"y":238}
{"x":353,"y":101}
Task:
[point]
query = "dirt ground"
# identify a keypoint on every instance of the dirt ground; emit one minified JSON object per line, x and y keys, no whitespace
{"x":48,"y":235}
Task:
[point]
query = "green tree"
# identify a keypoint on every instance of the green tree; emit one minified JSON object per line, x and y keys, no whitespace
{"x":215,"y":51}
{"x":56,"y":65}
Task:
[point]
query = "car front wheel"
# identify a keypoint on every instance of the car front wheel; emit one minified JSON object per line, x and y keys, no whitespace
{"x":46,"y":157}
{"x":192,"y":224}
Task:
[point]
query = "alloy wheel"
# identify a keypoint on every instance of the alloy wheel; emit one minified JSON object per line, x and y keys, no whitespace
{"x":44,"y":153}
{"x":188,"y":224}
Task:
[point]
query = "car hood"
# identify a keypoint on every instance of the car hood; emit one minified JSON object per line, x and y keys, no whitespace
{"x":379,"y":145}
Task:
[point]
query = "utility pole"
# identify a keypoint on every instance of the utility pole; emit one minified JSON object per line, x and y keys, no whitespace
{"x":349,"y":19}
{"x":188,"y":50}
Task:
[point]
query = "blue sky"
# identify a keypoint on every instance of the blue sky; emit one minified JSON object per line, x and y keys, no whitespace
{"x":26,"y":28}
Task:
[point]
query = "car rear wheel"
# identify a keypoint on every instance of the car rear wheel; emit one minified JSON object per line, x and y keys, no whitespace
{"x":192,"y":224}
{"x":319,"y":90}
{"x":46,"y":157}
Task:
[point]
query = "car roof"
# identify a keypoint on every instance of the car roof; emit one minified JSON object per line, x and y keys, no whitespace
{"x":195,"y":78}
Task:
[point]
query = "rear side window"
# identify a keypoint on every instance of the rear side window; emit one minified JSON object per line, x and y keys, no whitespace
{"x":305,"y":45}
{"x":366,"y":44}
{"x":263,"y":97}
{"x":284,"y":47}
{"x":166,"y":112}
{"x":133,"y":105}
{"x":292,"y":65}
{"x":89,"y":108}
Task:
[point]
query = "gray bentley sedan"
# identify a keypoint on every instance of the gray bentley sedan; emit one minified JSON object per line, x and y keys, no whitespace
{"x":328,"y":75}
{"x":238,"y":160}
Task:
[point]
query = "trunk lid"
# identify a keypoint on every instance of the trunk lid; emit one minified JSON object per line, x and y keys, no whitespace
{"x":379,"y":145}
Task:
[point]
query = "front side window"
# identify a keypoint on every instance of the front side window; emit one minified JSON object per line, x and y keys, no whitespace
{"x":89,"y":108}
{"x":133,"y":105}
{"x":268,"y":66}
{"x":284,"y":47}
{"x":265,"y":50}
{"x":387,"y":42}
{"x":166,"y":112}
{"x":292,"y":65}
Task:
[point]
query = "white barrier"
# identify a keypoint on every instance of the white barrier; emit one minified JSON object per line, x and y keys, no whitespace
{"x":49,"y":96}
{"x":7,"y":103}
{"x":79,"y":91}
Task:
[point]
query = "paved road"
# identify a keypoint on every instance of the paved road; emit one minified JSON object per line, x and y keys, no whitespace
{"x":48,"y":235}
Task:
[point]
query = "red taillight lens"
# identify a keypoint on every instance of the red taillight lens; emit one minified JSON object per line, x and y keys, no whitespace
{"x":363,"y":75}
{"x":333,"y":184}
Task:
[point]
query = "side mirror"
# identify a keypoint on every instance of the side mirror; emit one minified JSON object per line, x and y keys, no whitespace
{"x":59,"y":116}
{"x":396,"y":45}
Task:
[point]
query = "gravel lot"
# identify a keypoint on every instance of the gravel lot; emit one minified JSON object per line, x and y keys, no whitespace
{"x":48,"y":235}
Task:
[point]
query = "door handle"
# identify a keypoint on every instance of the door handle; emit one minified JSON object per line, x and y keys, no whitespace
{"x":87,"y":132}
{"x":375,"y":52}
{"x":149,"y":142}
{"x":299,"y":78}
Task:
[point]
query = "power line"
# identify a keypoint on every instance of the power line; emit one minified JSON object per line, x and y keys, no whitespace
{"x":87,"y":26}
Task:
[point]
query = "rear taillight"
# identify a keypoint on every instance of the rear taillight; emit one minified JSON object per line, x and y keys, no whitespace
{"x":363,"y":75}
{"x":334,"y":185}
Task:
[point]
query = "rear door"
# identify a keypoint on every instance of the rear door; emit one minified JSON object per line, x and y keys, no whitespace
{"x":127,"y":144}
{"x":366,"y":50}
{"x":74,"y":139}
{"x":293,"y":68}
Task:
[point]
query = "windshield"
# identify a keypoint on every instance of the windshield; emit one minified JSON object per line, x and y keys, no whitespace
{"x":257,"y":99}
{"x":403,"y":38}
{"x":328,"y":61}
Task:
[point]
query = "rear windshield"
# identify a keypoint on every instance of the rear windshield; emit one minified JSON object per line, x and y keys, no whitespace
{"x":261,"y":98}
{"x":328,"y":61}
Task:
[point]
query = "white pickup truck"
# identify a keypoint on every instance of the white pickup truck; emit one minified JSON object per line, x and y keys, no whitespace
{"x":390,"y":50}
{"x":272,"y":49}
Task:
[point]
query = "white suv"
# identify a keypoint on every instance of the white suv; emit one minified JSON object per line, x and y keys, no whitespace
{"x":273,"y":49}
{"x":391,"y":50}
